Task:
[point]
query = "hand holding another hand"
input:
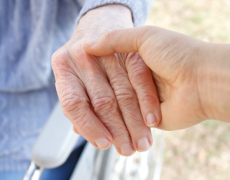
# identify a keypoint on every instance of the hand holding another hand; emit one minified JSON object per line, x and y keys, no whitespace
{"x":191,"y":76}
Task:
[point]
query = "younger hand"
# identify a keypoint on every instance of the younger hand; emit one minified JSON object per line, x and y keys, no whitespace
{"x":176,"y":63}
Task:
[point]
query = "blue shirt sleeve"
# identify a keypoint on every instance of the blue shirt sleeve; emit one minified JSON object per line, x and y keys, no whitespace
{"x":139,"y":8}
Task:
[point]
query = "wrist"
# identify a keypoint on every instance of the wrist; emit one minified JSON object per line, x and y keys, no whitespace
{"x":109,"y":13}
{"x":102,"y":20}
{"x":114,"y":9}
{"x":214,"y":81}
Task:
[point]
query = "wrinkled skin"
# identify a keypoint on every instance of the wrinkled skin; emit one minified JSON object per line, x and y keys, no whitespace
{"x":182,"y":68}
{"x":106,"y":98}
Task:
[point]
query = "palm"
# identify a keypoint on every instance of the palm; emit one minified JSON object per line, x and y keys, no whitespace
{"x":177,"y":86}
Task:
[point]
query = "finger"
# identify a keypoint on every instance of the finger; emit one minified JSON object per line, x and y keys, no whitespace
{"x":128,"y":103}
{"x":141,"y":79}
{"x":122,"y":41}
{"x":104,"y":102}
{"x":75,"y":104}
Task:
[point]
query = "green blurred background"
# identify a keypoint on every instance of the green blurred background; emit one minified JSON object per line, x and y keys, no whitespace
{"x":201,"y":152}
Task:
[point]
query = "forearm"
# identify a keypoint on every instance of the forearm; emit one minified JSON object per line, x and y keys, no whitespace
{"x":214,"y":81}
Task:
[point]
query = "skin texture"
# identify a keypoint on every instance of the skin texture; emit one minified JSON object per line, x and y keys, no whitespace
{"x":192,"y":77}
{"x":109,"y":98}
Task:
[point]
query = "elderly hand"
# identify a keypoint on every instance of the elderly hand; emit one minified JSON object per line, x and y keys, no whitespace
{"x":108,"y":99}
{"x":191,"y":76}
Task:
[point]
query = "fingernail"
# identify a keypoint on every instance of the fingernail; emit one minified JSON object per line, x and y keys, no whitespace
{"x":143,"y":144}
{"x":89,"y":42}
{"x":151,"y":120}
{"x":126,"y":150}
{"x":103,"y":143}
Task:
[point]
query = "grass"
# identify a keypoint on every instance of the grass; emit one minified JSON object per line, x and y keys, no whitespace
{"x":201,"y":152}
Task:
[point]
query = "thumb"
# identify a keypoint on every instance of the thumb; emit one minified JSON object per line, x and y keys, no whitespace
{"x":120,"y":41}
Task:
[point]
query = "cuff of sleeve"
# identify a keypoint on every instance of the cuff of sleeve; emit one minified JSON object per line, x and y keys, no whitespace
{"x":139,"y":8}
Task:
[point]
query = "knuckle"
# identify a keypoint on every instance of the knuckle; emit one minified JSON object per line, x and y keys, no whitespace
{"x":118,"y":79}
{"x":138,"y":69}
{"x":59,"y":58}
{"x":134,"y":57}
{"x":60,"y":63}
{"x":138,"y":74}
{"x":84,"y":61}
{"x":104,"y":105}
{"x":149,"y":99}
{"x":76,"y":51}
{"x":75,"y":108}
{"x":73,"y":104}
{"x":125,"y":96}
